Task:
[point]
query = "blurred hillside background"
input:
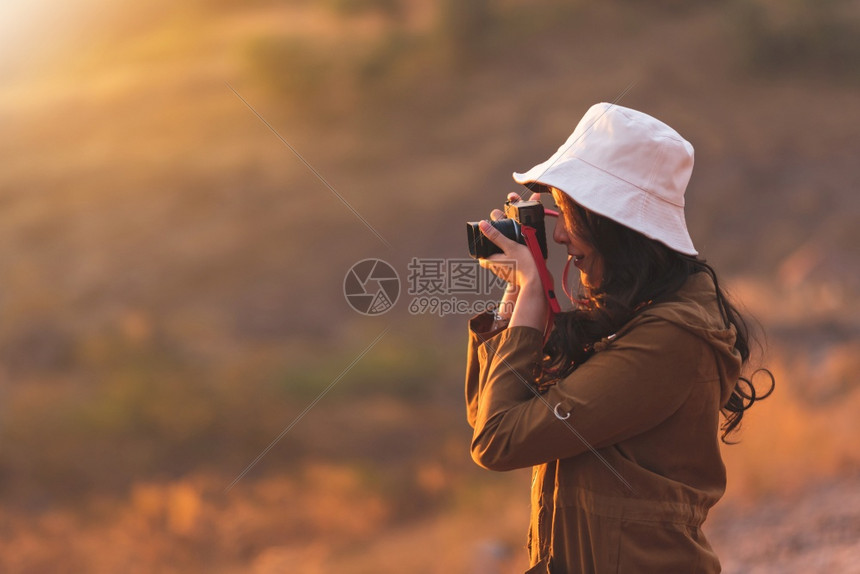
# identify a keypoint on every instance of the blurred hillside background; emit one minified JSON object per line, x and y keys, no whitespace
{"x":171,"y":275}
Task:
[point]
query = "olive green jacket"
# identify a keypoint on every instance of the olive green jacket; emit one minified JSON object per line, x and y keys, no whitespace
{"x":625,"y":450}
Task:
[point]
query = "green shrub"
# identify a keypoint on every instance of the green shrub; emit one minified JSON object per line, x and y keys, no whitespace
{"x":290,"y":66}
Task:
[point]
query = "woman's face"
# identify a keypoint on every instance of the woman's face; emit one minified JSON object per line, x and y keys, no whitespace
{"x":585,"y":256}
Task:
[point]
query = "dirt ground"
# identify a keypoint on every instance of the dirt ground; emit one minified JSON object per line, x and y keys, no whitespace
{"x":816,"y":530}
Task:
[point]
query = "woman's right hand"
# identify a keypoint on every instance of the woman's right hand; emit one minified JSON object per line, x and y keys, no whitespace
{"x":509,"y":299}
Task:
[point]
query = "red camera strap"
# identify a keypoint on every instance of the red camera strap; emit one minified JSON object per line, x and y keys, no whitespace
{"x":545,"y":278}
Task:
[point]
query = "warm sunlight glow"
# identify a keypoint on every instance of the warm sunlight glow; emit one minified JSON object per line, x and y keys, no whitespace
{"x":35,"y":27}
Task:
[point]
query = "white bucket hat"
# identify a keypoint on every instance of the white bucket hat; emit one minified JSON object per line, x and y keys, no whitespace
{"x":627,"y":166}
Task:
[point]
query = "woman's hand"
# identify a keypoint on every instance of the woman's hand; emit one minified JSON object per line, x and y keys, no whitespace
{"x":524,"y":300}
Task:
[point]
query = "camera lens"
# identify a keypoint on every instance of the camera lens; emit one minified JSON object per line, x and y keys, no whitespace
{"x":480,"y":247}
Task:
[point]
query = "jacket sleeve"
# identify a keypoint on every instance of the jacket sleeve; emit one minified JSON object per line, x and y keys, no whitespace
{"x":635,"y":383}
{"x":479,"y":331}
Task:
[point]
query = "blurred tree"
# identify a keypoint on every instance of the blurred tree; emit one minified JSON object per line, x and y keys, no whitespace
{"x":799,"y":36}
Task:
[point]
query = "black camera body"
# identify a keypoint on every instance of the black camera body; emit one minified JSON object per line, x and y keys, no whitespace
{"x":518,"y":214}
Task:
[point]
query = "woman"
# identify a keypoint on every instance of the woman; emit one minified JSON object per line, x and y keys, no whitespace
{"x":618,"y":410}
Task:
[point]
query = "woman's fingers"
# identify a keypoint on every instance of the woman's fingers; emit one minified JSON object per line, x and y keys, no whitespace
{"x":496,"y":236}
{"x":514,"y":196}
{"x":501,"y":266}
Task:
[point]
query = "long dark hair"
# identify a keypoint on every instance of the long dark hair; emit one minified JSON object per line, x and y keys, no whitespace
{"x":637,"y":272}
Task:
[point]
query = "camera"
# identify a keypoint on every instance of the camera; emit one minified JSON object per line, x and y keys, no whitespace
{"x":518,"y":214}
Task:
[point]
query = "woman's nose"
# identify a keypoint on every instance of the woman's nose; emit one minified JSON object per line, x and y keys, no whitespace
{"x":559,"y":234}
